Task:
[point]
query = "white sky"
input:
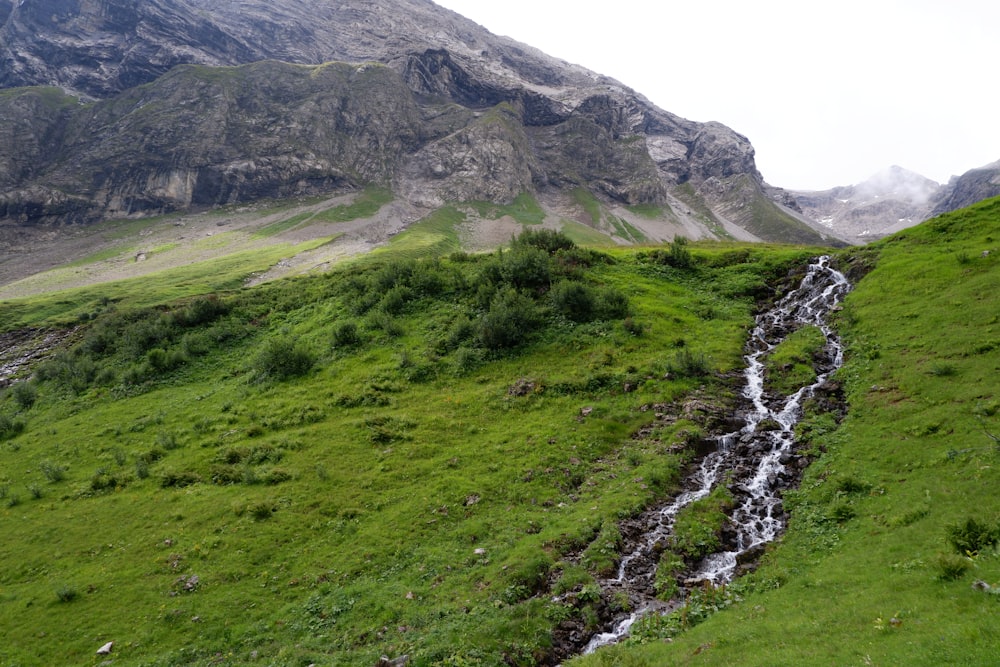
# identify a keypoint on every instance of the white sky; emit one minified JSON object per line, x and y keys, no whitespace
{"x":828,"y":93}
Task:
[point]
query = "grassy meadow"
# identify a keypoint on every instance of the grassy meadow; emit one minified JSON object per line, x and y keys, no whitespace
{"x":427,"y":453}
{"x":891,"y":555}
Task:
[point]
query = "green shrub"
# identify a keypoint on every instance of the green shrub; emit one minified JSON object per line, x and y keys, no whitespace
{"x":137,"y":374}
{"x":196,"y":343}
{"x":973,"y":536}
{"x":601,"y":556}
{"x":951,"y":567}
{"x":66,"y":594}
{"x":10,"y":427}
{"x":152,"y":456}
{"x":167,"y":440}
{"x":462,"y":330}
{"x":526,"y":267}
{"x":200,"y":311}
{"x":52,"y":472}
{"x":395,"y":272}
{"x":225,"y":474}
{"x":527,"y":575}
{"x":943,"y":369}
{"x":689,"y":364}
{"x":467,"y":359}
{"x":263,"y":510}
{"x":346,"y":335}
{"x":612,"y":304}
{"x":678,"y":255}
{"x":395,"y":300}
{"x":429,"y":280}
{"x":511,"y":318}
{"x":275,"y":476}
{"x":385,"y":322}
{"x":668,"y":569}
{"x":698,"y":525}
{"x":161,"y":360}
{"x":573,"y":300}
{"x":544,"y":239}
{"x":24,"y":394}
{"x":179,"y":479}
{"x":107,"y":480}
{"x":144,"y":334}
{"x":635,"y":328}
{"x":282,"y":359}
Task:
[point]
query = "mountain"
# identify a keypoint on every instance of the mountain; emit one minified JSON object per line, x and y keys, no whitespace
{"x":888,"y":201}
{"x":892,"y":200}
{"x":423,"y":458}
{"x":114,"y":108}
{"x":971,"y":187}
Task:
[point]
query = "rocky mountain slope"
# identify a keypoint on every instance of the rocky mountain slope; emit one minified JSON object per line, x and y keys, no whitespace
{"x":971,"y":187}
{"x":115,"y":108}
{"x":888,"y":201}
{"x":894,"y":199}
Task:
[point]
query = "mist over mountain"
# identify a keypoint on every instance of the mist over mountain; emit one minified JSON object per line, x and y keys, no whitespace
{"x":115,"y":108}
{"x":890,"y":200}
{"x":894,"y":199}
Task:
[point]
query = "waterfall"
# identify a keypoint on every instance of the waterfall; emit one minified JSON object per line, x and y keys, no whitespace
{"x":754,"y":456}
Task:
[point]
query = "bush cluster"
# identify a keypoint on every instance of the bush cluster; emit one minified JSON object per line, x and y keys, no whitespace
{"x":282,"y":359}
{"x":136,"y":347}
{"x":503,"y":301}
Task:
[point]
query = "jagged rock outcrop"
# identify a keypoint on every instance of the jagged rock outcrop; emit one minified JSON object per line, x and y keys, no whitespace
{"x":177,"y":104}
{"x":971,"y":187}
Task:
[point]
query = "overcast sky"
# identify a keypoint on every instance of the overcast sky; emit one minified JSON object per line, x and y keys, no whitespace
{"x":828,"y":93}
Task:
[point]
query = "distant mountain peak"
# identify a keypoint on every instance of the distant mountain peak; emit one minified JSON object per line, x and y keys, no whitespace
{"x":893,"y":199}
{"x":898,"y":183}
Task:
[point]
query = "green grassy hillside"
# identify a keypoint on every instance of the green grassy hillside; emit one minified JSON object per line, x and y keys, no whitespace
{"x":394,"y":458}
{"x":899,"y":516}
{"x":416,"y":455}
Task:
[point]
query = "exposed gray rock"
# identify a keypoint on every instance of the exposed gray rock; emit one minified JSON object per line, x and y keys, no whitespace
{"x":894,"y":199}
{"x":419,"y":99}
{"x":971,"y":187}
{"x":890,"y":200}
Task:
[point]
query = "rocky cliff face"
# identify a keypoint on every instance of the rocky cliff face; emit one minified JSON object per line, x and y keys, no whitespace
{"x":971,"y":187}
{"x":172,"y":104}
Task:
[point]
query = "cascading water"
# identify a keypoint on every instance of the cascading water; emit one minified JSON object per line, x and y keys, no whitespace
{"x":752,"y":459}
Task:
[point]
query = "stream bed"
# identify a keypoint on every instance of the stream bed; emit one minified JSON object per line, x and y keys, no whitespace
{"x":753,"y":461}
